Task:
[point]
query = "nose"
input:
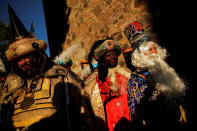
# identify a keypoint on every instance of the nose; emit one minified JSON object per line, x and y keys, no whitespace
{"x":2,"y":78}
{"x":153,"y":49}
{"x":23,"y":61}
{"x":114,"y":56}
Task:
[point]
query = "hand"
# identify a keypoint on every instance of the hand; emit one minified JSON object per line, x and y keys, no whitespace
{"x":182,"y":118}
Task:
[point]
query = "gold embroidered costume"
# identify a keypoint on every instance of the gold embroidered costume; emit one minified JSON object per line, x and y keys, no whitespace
{"x":38,"y":93}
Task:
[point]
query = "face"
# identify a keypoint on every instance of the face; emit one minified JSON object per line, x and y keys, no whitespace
{"x":148,"y":55}
{"x":111,"y":59}
{"x":2,"y":78}
{"x":152,"y":50}
{"x":24,"y":63}
{"x":29,"y":64}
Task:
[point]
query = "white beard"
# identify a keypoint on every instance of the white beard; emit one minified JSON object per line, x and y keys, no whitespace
{"x":167,"y":80}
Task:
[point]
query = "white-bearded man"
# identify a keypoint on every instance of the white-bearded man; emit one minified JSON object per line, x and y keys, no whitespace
{"x":155,"y":88}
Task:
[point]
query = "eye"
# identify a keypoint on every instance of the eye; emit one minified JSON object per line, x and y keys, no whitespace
{"x":109,"y":43}
{"x":35,"y":45}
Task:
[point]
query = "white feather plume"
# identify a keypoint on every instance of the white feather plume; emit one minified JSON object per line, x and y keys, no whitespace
{"x":2,"y":67}
{"x":87,"y":71}
{"x":67,"y":53}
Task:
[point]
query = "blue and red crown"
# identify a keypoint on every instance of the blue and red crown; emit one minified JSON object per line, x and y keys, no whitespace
{"x":135,"y":34}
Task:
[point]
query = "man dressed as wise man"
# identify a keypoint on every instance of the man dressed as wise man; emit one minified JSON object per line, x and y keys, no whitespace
{"x":152,"y":77}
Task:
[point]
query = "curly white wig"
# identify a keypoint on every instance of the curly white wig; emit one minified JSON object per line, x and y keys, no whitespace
{"x":143,"y":59}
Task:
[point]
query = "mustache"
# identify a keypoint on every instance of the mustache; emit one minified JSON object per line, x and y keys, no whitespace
{"x":167,"y":80}
{"x":26,"y":64}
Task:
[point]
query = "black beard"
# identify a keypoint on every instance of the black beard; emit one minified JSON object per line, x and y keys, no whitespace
{"x":32,"y":73}
{"x":109,"y":65}
{"x":112,"y":65}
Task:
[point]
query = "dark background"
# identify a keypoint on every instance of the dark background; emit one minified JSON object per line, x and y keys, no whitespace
{"x":174,"y":23}
{"x":56,"y":22}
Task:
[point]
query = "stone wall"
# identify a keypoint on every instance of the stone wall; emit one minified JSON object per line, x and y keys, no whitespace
{"x":91,"y":20}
